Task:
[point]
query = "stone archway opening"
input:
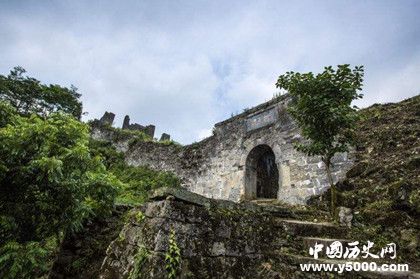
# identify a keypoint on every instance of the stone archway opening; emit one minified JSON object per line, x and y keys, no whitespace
{"x":261,"y":173}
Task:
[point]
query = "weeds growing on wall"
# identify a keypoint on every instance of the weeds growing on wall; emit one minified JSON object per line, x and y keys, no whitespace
{"x":173,"y":256}
{"x":137,"y":181}
{"x":140,"y":258}
{"x":119,"y":134}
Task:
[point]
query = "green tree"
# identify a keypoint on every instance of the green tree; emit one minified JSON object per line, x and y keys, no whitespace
{"x":28,"y":95}
{"x":321,"y":106}
{"x":49,"y":184}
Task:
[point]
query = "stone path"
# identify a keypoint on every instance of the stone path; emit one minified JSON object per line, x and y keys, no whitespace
{"x":305,"y":234}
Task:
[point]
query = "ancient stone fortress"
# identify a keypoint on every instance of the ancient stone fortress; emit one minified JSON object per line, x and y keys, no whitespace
{"x":249,"y":156}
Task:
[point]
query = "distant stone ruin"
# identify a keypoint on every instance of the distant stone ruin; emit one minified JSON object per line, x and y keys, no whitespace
{"x":108,"y":119}
{"x":148,"y":130}
{"x":165,"y":137}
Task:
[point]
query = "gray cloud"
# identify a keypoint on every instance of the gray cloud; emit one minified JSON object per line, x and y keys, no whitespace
{"x":184,"y":65}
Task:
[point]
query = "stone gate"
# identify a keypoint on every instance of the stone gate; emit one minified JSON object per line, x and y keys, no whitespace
{"x":249,"y":156}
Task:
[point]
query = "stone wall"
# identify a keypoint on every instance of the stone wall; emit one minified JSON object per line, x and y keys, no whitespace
{"x":216,"y":239}
{"x":221,"y":166}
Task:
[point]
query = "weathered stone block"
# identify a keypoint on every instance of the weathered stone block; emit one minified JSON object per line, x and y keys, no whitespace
{"x":107,"y":118}
{"x":165,"y":137}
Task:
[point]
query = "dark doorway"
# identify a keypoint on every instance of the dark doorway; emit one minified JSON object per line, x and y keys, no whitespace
{"x":262,"y":175}
{"x":267,"y":176}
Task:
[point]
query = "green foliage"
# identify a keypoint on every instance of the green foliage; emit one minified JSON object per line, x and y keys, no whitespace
{"x":139,"y":260}
{"x":48,"y":180}
{"x":134,"y":136}
{"x":23,"y":260}
{"x":29,"y":96}
{"x":134,"y":216}
{"x":53,"y":178}
{"x":8,"y":228}
{"x":140,"y":217}
{"x":6,"y":114}
{"x":137,"y":181}
{"x":110,"y":157}
{"x":49,"y":184}
{"x":321,"y":106}
{"x":173,"y":256}
{"x":414,"y":200}
{"x":170,"y":142}
{"x":118,"y":134}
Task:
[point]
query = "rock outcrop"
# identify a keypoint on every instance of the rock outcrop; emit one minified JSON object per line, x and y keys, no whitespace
{"x":218,"y":239}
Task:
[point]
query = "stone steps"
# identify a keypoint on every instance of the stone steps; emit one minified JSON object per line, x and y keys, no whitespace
{"x":299,"y":228}
{"x":308,"y":242}
{"x":299,"y":236}
{"x":293,"y":250}
{"x":265,"y":201}
{"x":291,"y":212}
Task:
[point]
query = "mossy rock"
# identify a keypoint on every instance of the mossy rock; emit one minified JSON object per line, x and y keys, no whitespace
{"x":391,"y":219}
{"x":345,"y":185}
{"x":414,"y":163}
{"x":410,"y":240}
{"x":347,"y":199}
{"x":414,"y":201}
{"x":357,"y":169}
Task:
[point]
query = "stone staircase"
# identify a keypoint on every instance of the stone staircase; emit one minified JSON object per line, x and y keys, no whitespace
{"x":298,"y":212}
{"x":222,"y":239}
{"x":302,"y":235}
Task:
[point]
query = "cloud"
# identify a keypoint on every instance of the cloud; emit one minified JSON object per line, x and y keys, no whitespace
{"x":393,"y":86}
{"x":204,"y":133}
{"x":185,"y":66}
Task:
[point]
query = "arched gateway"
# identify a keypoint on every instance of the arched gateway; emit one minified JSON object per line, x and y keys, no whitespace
{"x":261,"y":173}
{"x":237,"y":162}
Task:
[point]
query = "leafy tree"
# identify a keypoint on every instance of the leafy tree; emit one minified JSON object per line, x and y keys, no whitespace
{"x":49,"y":184}
{"x":321,"y":106}
{"x":28,"y":95}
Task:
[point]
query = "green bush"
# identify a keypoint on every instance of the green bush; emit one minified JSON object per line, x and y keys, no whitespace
{"x":136,"y":181}
{"x":23,"y":260}
{"x":53,"y":177}
{"x":50,"y":183}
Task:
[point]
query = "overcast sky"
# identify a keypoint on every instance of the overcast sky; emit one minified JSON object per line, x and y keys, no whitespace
{"x":185,"y":65}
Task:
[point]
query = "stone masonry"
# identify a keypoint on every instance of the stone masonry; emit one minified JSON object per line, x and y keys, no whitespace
{"x":223,"y":166}
{"x":223,"y":239}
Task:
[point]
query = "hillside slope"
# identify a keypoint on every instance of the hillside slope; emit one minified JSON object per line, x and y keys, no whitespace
{"x":383,"y":187}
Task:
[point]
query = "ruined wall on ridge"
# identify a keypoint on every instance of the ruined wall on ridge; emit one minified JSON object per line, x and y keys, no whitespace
{"x":218,"y":167}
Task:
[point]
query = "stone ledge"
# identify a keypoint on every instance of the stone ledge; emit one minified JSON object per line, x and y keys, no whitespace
{"x":185,"y":196}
